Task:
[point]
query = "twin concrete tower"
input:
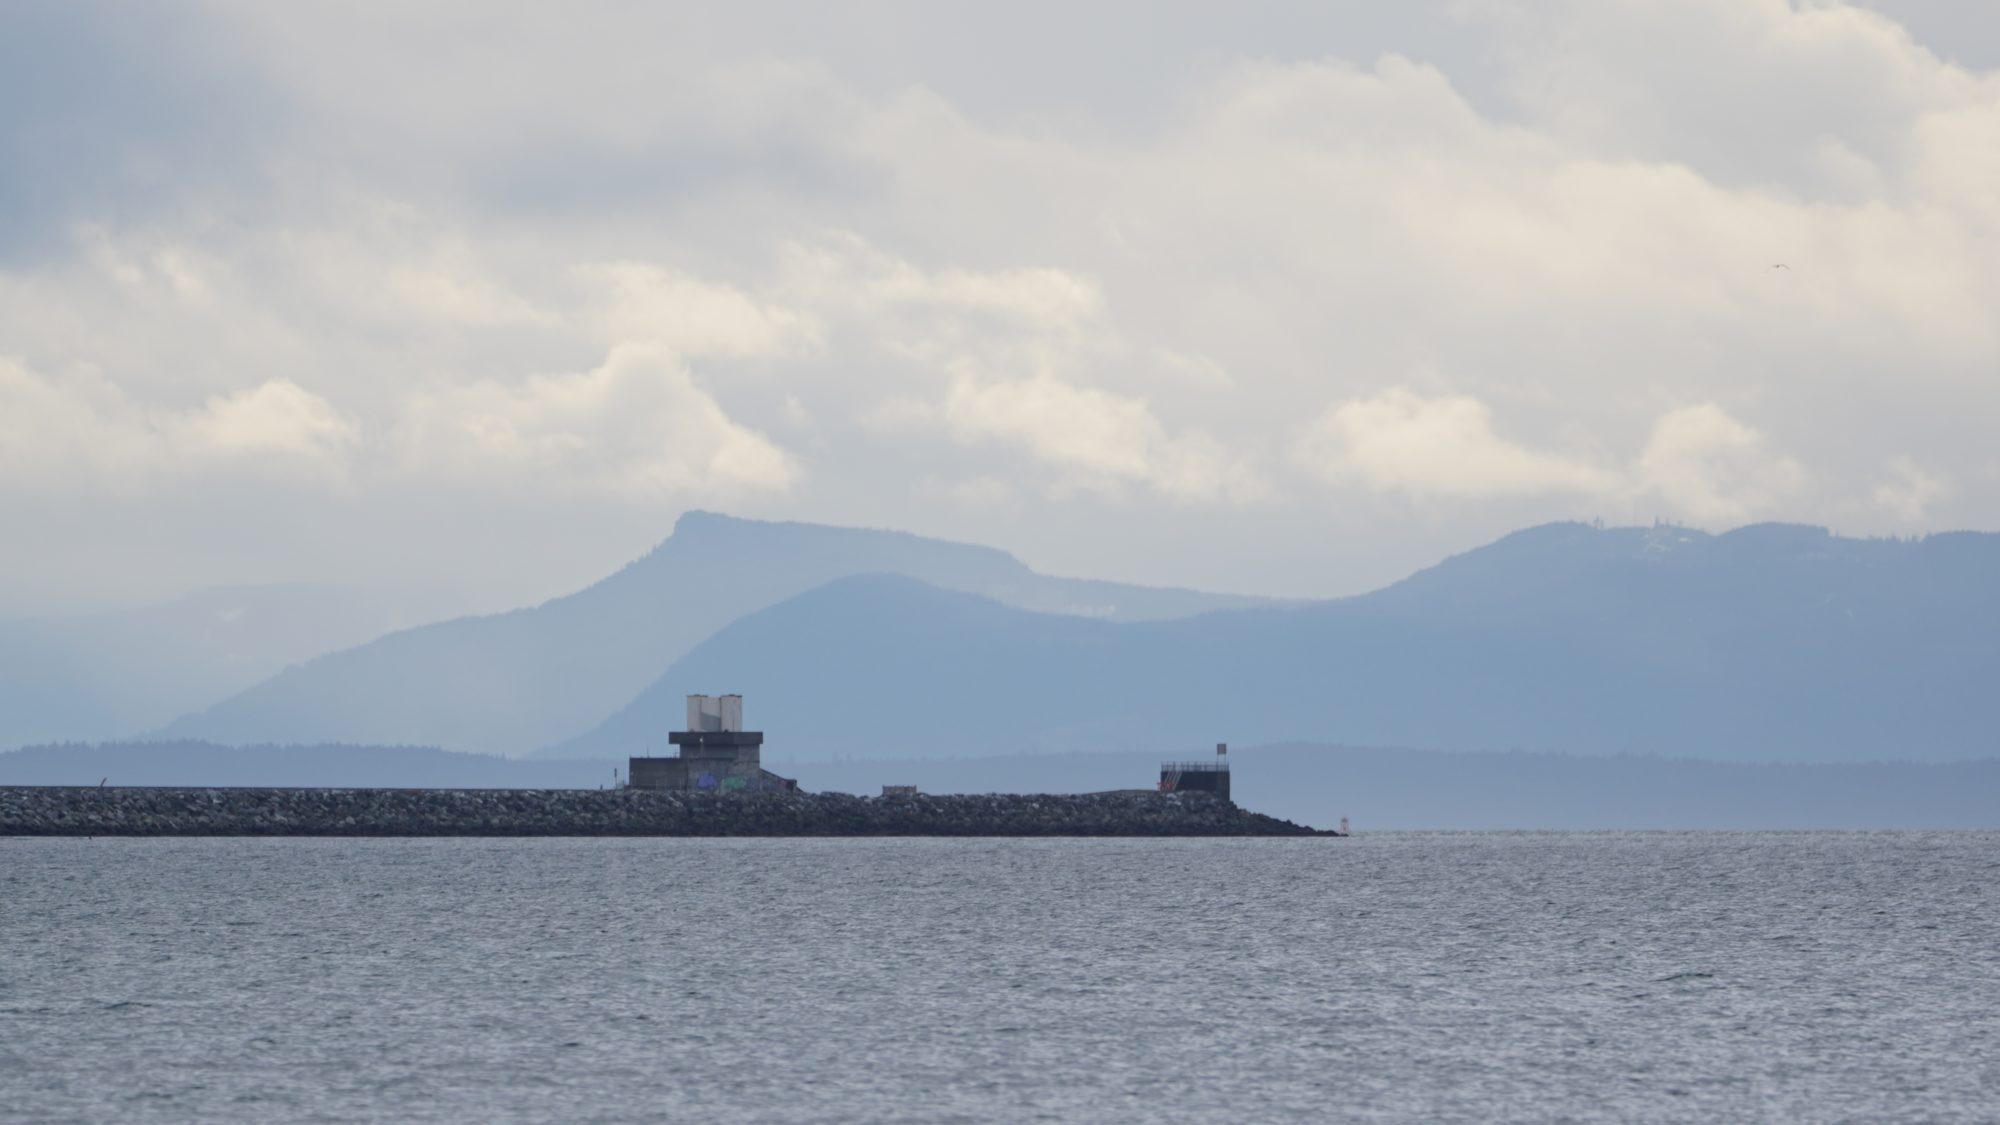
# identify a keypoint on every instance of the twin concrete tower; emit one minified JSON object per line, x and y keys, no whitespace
{"x":716,"y":753}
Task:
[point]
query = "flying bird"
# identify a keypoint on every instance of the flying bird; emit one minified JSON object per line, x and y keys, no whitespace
{"x":1781,"y":266}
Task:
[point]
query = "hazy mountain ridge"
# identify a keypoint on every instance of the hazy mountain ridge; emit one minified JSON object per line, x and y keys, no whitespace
{"x":1770,"y":642}
{"x":512,"y":682}
{"x":1769,"y":559}
{"x":108,"y":674}
{"x":198,"y":764}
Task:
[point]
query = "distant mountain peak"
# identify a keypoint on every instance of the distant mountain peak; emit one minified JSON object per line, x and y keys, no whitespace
{"x":1779,"y":536}
{"x":510,"y":682}
{"x":1769,"y":642}
{"x":698,"y":526}
{"x":699,"y":521}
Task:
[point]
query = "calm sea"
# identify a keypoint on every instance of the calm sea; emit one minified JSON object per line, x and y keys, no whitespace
{"x":1402,"y":977}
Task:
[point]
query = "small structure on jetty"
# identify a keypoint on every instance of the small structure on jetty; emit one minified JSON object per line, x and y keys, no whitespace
{"x":1198,"y":777}
{"x":716,"y":754}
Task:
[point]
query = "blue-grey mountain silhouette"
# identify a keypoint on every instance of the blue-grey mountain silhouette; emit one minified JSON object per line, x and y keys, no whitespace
{"x":109,"y":674}
{"x":1768,"y":643}
{"x":512,"y":682}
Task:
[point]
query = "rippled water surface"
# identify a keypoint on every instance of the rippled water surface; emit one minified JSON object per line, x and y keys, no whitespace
{"x":1394,"y":977}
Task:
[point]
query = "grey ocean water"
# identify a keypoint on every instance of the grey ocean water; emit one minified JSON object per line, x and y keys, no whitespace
{"x":1404,"y":977}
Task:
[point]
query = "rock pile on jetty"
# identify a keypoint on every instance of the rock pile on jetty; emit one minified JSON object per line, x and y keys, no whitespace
{"x":59,"y":811}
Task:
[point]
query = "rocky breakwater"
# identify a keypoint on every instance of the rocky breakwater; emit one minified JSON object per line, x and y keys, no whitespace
{"x":57,"y":811}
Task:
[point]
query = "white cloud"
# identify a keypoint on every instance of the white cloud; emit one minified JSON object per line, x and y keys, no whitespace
{"x":1910,"y":492}
{"x":1005,"y":358}
{"x":635,"y":426}
{"x":450,"y":293}
{"x":1715,"y":470}
{"x":58,"y":433}
{"x":1082,"y":438}
{"x":1549,"y":231}
{"x":1742,"y":90}
{"x":76,"y":433}
{"x":1097,"y":440}
{"x":1698,"y":463}
{"x":941,"y":317}
{"x":693,"y":318}
{"x":1078,"y":427}
{"x":1439,"y":447}
{"x":176,"y":269}
{"x":277,"y":417}
{"x":1195,"y":370}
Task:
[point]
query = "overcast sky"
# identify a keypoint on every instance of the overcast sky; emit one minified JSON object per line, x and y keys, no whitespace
{"x":1279,"y":298}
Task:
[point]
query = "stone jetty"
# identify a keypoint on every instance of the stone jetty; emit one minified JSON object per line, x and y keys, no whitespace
{"x":64,"y":811}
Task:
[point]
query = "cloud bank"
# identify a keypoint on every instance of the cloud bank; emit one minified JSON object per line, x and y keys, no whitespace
{"x":1358,"y":289}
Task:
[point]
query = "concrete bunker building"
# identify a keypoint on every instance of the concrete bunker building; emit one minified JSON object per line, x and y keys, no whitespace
{"x":1198,"y":777}
{"x":716,"y":754}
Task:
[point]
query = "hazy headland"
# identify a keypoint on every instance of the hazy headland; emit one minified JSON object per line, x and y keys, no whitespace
{"x":1568,"y":675}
